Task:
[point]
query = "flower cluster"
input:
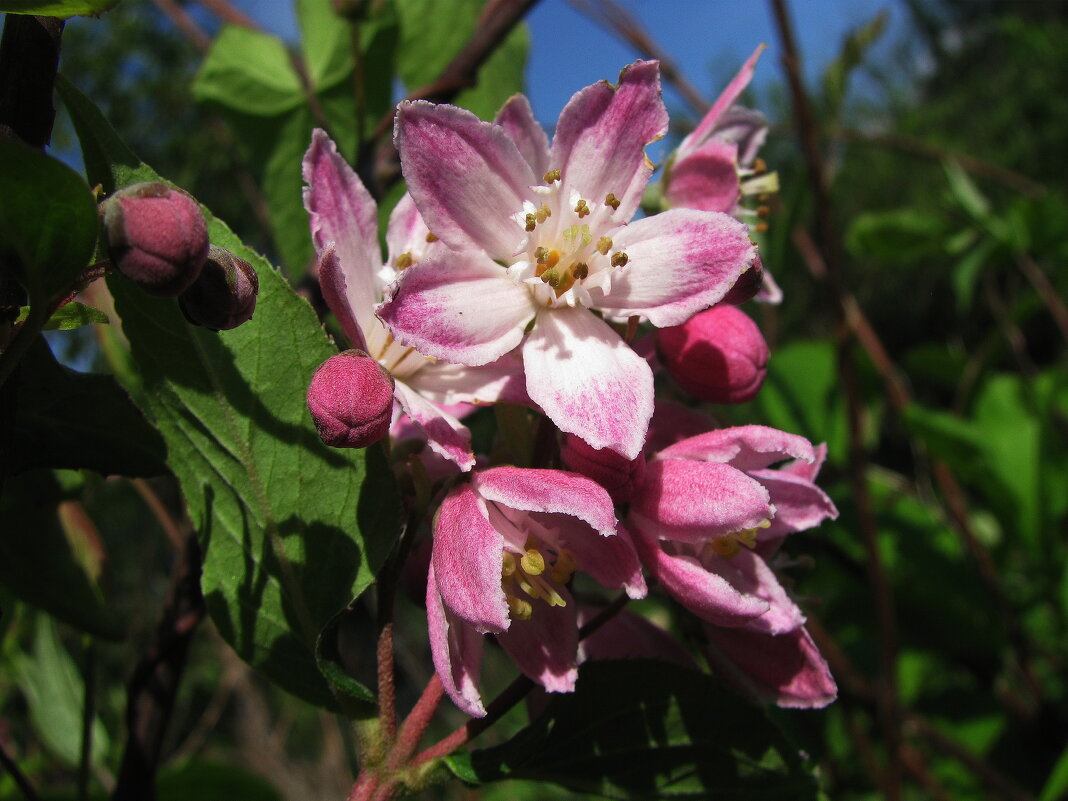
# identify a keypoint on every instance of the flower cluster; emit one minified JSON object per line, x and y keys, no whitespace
{"x":517,"y":271}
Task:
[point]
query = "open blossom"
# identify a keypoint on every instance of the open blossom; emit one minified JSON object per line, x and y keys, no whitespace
{"x":708,"y":512}
{"x":344,"y":224}
{"x":505,"y":547}
{"x":541,"y":256}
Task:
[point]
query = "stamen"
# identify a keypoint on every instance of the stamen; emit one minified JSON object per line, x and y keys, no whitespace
{"x":532,"y":562}
{"x":508,"y":565}
{"x":581,"y":209}
{"x":532,"y":222}
{"x":580,"y":270}
{"x":430,"y":237}
{"x":759,"y":165}
{"x":727,"y":546}
{"x":620,"y":259}
{"x":404,"y":261}
{"x":518,"y":608}
{"x":604,"y":244}
{"x":611,"y":200}
{"x":543,"y":213}
{"x":576,"y":231}
{"x":552,"y":176}
{"x":541,"y":255}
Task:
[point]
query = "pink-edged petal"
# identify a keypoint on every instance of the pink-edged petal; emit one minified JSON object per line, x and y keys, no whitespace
{"x":334,"y":287}
{"x":799,"y":504}
{"x":588,"y":381}
{"x":742,"y":447}
{"x":680,"y":262}
{"x":467,"y":561}
{"x":611,"y":561}
{"x":746,"y":128}
{"x":629,"y":636}
{"x":446,"y":435}
{"x":456,"y":649}
{"x":599,"y":145}
{"x":695,"y":501}
{"x":673,"y":422}
{"x":707,"y":595}
{"x":706,"y":179}
{"x":750,"y":575}
{"x":545,"y":647}
{"x":770,"y":292}
{"x":447,"y":383}
{"x":342,"y":211}
{"x":537,"y":490}
{"x":726,"y":99}
{"x":460,"y":307}
{"x":407,"y":233}
{"x":807,"y":470}
{"x":787,"y":670}
{"x":517,"y":118}
{"x":467,"y":176}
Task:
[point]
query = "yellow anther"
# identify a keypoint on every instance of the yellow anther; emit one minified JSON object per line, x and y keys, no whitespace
{"x":580,"y":270}
{"x":761,"y":227}
{"x":604,"y":244}
{"x":611,"y":200}
{"x":543,"y":213}
{"x":763,"y":211}
{"x":532,"y":222}
{"x":746,"y":537}
{"x":552,"y":176}
{"x":541,"y":255}
{"x":530,"y":589}
{"x":430,"y":237}
{"x":620,"y":259}
{"x":532,"y":562}
{"x":727,"y":547}
{"x":519,"y":609}
{"x":581,"y":209}
{"x":759,"y":165}
{"x":404,"y":261}
{"x":508,"y":565}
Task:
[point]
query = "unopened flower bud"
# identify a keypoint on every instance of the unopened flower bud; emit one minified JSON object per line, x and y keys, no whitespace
{"x":718,"y":355}
{"x":351,"y":400}
{"x":224,"y":294}
{"x":156,"y":236}
{"x":615,"y":473}
{"x":747,"y":285}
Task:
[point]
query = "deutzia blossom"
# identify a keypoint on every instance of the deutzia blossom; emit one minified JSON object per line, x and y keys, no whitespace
{"x":541,"y":256}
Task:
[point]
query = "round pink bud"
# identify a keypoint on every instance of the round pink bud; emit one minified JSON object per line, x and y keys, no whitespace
{"x":615,"y":473}
{"x":718,"y":355}
{"x":747,"y":285}
{"x":156,"y":236}
{"x":224,"y":294}
{"x":351,"y":400}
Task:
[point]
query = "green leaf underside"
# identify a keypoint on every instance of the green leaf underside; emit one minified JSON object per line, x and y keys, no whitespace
{"x":75,"y":315}
{"x":642,"y":729}
{"x":56,"y":8}
{"x":249,"y":71}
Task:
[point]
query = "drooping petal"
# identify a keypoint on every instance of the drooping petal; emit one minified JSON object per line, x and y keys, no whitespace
{"x":726,"y":99}
{"x":695,"y":501}
{"x":799,"y":504}
{"x":742,"y":447}
{"x":588,"y":381}
{"x":456,"y":649}
{"x":749,"y":574}
{"x":467,"y":561}
{"x":342,"y":211}
{"x":611,"y":561}
{"x":545,"y":647}
{"x":448,"y":384}
{"x":517,"y":118}
{"x":446,"y":435}
{"x":673,"y":422}
{"x":680,"y":262}
{"x":407,"y":233}
{"x":630,"y":636}
{"x":599,"y":145}
{"x":335,"y":291}
{"x":787,"y":670}
{"x":744,"y":127}
{"x":460,"y":307}
{"x":467,"y":176}
{"x":534,"y":490}
{"x":707,"y":595}
{"x":706,"y":179}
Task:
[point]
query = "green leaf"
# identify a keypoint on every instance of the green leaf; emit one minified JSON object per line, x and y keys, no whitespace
{"x":966,"y":192}
{"x":326,"y":43}
{"x":948,"y":437}
{"x":250,"y":72}
{"x":1057,"y":784}
{"x":203,"y":779}
{"x":48,"y":220}
{"x":38,"y":562}
{"x":898,"y":235}
{"x":855,"y":46}
{"x":353,"y":696}
{"x":56,"y":8}
{"x":288,"y":536}
{"x":644,"y":730}
{"x":75,"y":315}
{"x":66,"y":419}
{"x":55,"y":694}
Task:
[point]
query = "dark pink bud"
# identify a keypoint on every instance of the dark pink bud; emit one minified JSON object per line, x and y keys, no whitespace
{"x":718,"y":355}
{"x":224,"y":294}
{"x":615,"y":473}
{"x":156,"y":236}
{"x":351,"y":400}
{"x":747,"y":285}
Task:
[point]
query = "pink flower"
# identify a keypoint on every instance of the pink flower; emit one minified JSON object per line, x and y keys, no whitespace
{"x":505,"y":547}
{"x":344,"y":224}
{"x":538,"y":242}
{"x":707,"y":514}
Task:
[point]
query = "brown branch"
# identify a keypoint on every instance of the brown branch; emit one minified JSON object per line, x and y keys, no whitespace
{"x":616,"y":19}
{"x":27,"y":789}
{"x":182,"y":20}
{"x":829,"y":244}
{"x":1046,"y":291}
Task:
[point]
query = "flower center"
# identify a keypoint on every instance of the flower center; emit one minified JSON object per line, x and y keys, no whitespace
{"x":538,"y":572}
{"x":729,"y":545}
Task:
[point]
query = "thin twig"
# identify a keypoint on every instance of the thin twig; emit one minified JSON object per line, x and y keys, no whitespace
{"x":183,"y":21}
{"x":88,"y":714}
{"x":8,"y":764}
{"x":1046,"y":291}
{"x":159,"y":511}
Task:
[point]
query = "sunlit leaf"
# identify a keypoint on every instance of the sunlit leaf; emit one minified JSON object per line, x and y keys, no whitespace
{"x":249,"y":71}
